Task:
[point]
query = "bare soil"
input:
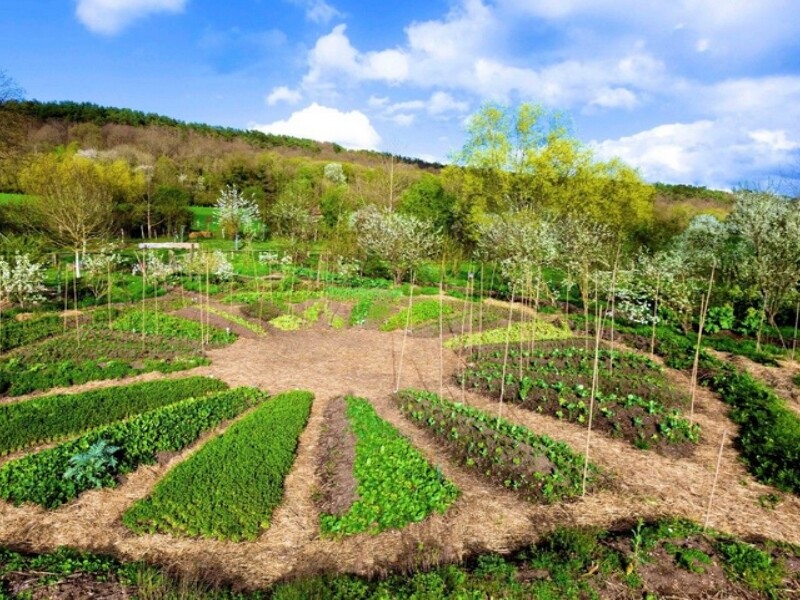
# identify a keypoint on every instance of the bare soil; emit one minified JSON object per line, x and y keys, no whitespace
{"x":337,"y":455}
{"x":368,"y":363}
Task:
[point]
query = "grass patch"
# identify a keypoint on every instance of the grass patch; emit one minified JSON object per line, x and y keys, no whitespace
{"x":288,"y":322}
{"x":396,"y":485}
{"x":229,"y":489}
{"x":422,"y":311}
{"x":48,"y":418}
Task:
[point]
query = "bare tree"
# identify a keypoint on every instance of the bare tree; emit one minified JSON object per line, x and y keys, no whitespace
{"x":9,"y":89}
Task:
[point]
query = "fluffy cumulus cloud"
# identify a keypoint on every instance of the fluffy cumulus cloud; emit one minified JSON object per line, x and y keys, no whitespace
{"x":458,"y":52}
{"x":720,"y":153}
{"x":350,"y":129}
{"x":333,"y":55}
{"x":283,"y":94}
{"x":112,"y":16}
{"x":688,"y":69}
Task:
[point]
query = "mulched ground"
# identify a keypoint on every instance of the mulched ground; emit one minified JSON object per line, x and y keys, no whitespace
{"x":367,"y":363}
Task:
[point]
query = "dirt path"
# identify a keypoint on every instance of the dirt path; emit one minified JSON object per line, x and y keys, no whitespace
{"x":484,"y":518}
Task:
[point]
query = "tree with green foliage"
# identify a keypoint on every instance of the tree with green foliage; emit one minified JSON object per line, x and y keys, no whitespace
{"x":429,"y":201}
{"x":75,"y":197}
{"x":525,"y":158}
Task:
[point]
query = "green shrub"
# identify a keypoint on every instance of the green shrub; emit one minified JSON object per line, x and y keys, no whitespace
{"x":229,"y":489}
{"x":39,"y":477}
{"x":396,"y":485}
{"x":48,"y":418}
{"x":89,"y":469}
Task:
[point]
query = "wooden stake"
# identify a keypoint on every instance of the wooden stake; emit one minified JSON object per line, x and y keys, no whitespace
{"x":405,"y":332}
{"x":695,"y":366}
{"x":613,"y":308}
{"x":505,"y":356}
{"x":655,"y":316}
{"x":716,"y":477}
{"x":796,"y":320}
{"x":593,"y":395}
{"x":441,"y":333}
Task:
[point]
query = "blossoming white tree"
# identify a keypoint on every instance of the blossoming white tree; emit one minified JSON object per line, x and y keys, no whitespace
{"x":21,"y":280}
{"x":402,"y":241}
{"x":236,"y":213}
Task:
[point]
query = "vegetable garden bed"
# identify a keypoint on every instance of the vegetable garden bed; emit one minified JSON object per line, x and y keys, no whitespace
{"x":230,"y":488}
{"x":98,"y":457}
{"x":634,"y":401}
{"x":49,"y":418}
{"x":395,"y":484}
{"x":536,"y":467}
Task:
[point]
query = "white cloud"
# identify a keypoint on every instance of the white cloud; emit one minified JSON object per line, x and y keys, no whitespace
{"x":112,"y":16}
{"x":283,"y":94}
{"x":718,"y":153}
{"x":403,"y":119}
{"x":377,"y":101}
{"x":350,"y":129}
{"x":333,"y":54}
{"x":318,"y":11}
{"x":457,"y":52}
{"x":321,"y":12}
{"x":702,"y":45}
{"x":442,"y":103}
{"x":615,"y":98}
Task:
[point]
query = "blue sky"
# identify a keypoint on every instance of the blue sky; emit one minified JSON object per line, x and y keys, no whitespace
{"x":688,"y":91}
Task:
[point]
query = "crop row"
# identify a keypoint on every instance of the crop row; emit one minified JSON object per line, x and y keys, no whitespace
{"x":14,"y":334}
{"x":396,"y":485}
{"x":48,"y":418}
{"x":170,"y":326}
{"x":233,"y":318}
{"x":57,"y":475}
{"x":90,"y":354}
{"x":229,"y":489}
{"x":516,"y":333}
{"x":633,"y":401}
{"x":535,"y":466}
{"x":769,"y":431}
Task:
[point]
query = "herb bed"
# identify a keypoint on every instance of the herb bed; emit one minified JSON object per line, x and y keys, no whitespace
{"x":48,"y":418}
{"x":229,"y":489}
{"x":112,"y":450}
